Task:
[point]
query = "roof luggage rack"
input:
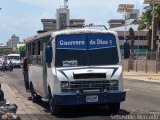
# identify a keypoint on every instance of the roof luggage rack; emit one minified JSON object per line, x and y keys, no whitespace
{"x":101,"y":27}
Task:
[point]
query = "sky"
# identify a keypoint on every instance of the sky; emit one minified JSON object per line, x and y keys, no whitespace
{"x":23,"y":17}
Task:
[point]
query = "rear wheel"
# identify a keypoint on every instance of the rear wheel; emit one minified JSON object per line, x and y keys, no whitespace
{"x":34,"y":96}
{"x":113,"y":108}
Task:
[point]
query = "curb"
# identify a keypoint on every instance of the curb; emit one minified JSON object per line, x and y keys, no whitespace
{"x":149,"y":77}
{"x":143,"y":75}
{"x":145,"y":80}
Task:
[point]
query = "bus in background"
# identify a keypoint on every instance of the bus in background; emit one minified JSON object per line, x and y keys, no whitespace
{"x":76,"y":67}
{"x":15,"y":59}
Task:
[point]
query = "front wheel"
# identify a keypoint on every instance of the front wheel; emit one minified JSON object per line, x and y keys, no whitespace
{"x":54,"y":109}
{"x":113,"y":108}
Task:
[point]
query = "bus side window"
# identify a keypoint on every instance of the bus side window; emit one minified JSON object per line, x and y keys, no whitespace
{"x":39,"y":52}
{"x":49,"y":54}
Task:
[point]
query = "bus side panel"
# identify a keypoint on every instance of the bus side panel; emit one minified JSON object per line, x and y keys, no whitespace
{"x":45,"y":87}
{"x":52,"y":80}
{"x":36,"y":77}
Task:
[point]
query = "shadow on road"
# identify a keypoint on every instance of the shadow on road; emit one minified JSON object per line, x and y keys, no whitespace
{"x":76,"y":112}
{"x":82,"y":111}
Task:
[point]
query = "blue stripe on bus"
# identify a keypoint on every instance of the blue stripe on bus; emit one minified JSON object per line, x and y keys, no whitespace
{"x":63,"y":70}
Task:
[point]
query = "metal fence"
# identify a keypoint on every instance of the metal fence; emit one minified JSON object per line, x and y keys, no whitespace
{"x":143,"y":61}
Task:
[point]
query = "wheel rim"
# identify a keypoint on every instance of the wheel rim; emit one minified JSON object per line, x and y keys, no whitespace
{"x":50,"y":105}
{"x":32,"y":93}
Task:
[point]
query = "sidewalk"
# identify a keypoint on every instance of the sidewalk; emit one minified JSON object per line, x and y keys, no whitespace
{"x":142,"y":76}
{"x":14,"y":97}
{"x":26,"y":109}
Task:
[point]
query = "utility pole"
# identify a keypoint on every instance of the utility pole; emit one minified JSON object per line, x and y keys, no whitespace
{"x":125,"y":8}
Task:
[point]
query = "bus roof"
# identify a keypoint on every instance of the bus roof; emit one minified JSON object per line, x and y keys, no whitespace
{"x":81,"y":31}
{"x":13,"y":54}
{"x":67,"y":31}
{"x":33,"y":38}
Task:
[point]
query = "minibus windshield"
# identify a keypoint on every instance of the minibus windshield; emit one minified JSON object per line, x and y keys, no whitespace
{"x":86,"y":50}
{"x":13,"y":57}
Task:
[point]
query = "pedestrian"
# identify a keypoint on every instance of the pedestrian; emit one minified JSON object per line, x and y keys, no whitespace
{"x":1,"y":94}
{"x":10,"y":66}
{"x":25,"y":73}
{"x":4,"y":66}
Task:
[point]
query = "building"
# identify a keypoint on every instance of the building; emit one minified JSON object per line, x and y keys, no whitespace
{"x":122,"y":28}
{"x":130,"y":16}
{"x":62,"y":20}
{"x":63,"y":17}
{"x":12,"y":43}
{"x":20,"y":45}
{"x":2,"y":45}
{"x":77,"y":22}
{"x":141,"y":42}
{"x":8,"y":43}
{"x":116,"y":23}
{"x":49,"y":24}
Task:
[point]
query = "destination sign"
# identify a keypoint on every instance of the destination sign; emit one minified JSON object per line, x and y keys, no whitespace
{"x":85,"y":41}
{"x":98,"y":41}
{"x":75,"y":41}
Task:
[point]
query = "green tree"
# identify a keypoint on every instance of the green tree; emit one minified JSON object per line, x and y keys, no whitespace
{"x":22,"y":51}
{"x":5,"y":51}
{"x":145,"y":22}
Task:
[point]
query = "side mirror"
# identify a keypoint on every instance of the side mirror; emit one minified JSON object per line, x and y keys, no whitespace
{"x":126,"y":50}
{"x":48,"y":53}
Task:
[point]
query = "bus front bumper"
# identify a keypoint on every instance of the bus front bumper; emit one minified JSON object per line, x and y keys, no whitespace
{"x":82,"y":99}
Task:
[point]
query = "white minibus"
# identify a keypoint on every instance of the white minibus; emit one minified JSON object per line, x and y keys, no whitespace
{"x":80,"y":66}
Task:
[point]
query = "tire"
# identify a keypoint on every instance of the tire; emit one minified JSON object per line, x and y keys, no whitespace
{"x":33,"y":95}
{"x":113,"y":108}
{"x":54,"y":109}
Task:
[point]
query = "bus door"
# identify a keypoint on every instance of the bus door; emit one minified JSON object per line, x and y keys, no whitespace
{"x":44,"y":71}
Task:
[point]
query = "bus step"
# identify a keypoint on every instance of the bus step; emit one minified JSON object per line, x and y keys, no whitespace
{"x":46,"y":100}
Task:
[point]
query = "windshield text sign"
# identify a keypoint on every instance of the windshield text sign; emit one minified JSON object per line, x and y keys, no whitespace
{"x":75,"y":41}
{"x":86,"y":41}
{"x":99,"y":41}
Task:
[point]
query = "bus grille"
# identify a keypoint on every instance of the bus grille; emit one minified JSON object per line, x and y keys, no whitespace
{"x":90,"y":86}
{"x":89,"y":75}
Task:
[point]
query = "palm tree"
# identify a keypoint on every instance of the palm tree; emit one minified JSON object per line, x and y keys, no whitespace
{"x":145,"y":22}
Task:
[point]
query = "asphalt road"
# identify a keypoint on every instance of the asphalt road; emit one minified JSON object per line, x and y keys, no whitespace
{"x":142,"y":98}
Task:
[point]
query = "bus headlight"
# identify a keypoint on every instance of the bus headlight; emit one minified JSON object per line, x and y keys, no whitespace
{"x":64,"y":85}
{"x":114,"y":82}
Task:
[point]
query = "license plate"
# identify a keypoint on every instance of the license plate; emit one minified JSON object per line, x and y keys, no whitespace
{"x":92,"y":98}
